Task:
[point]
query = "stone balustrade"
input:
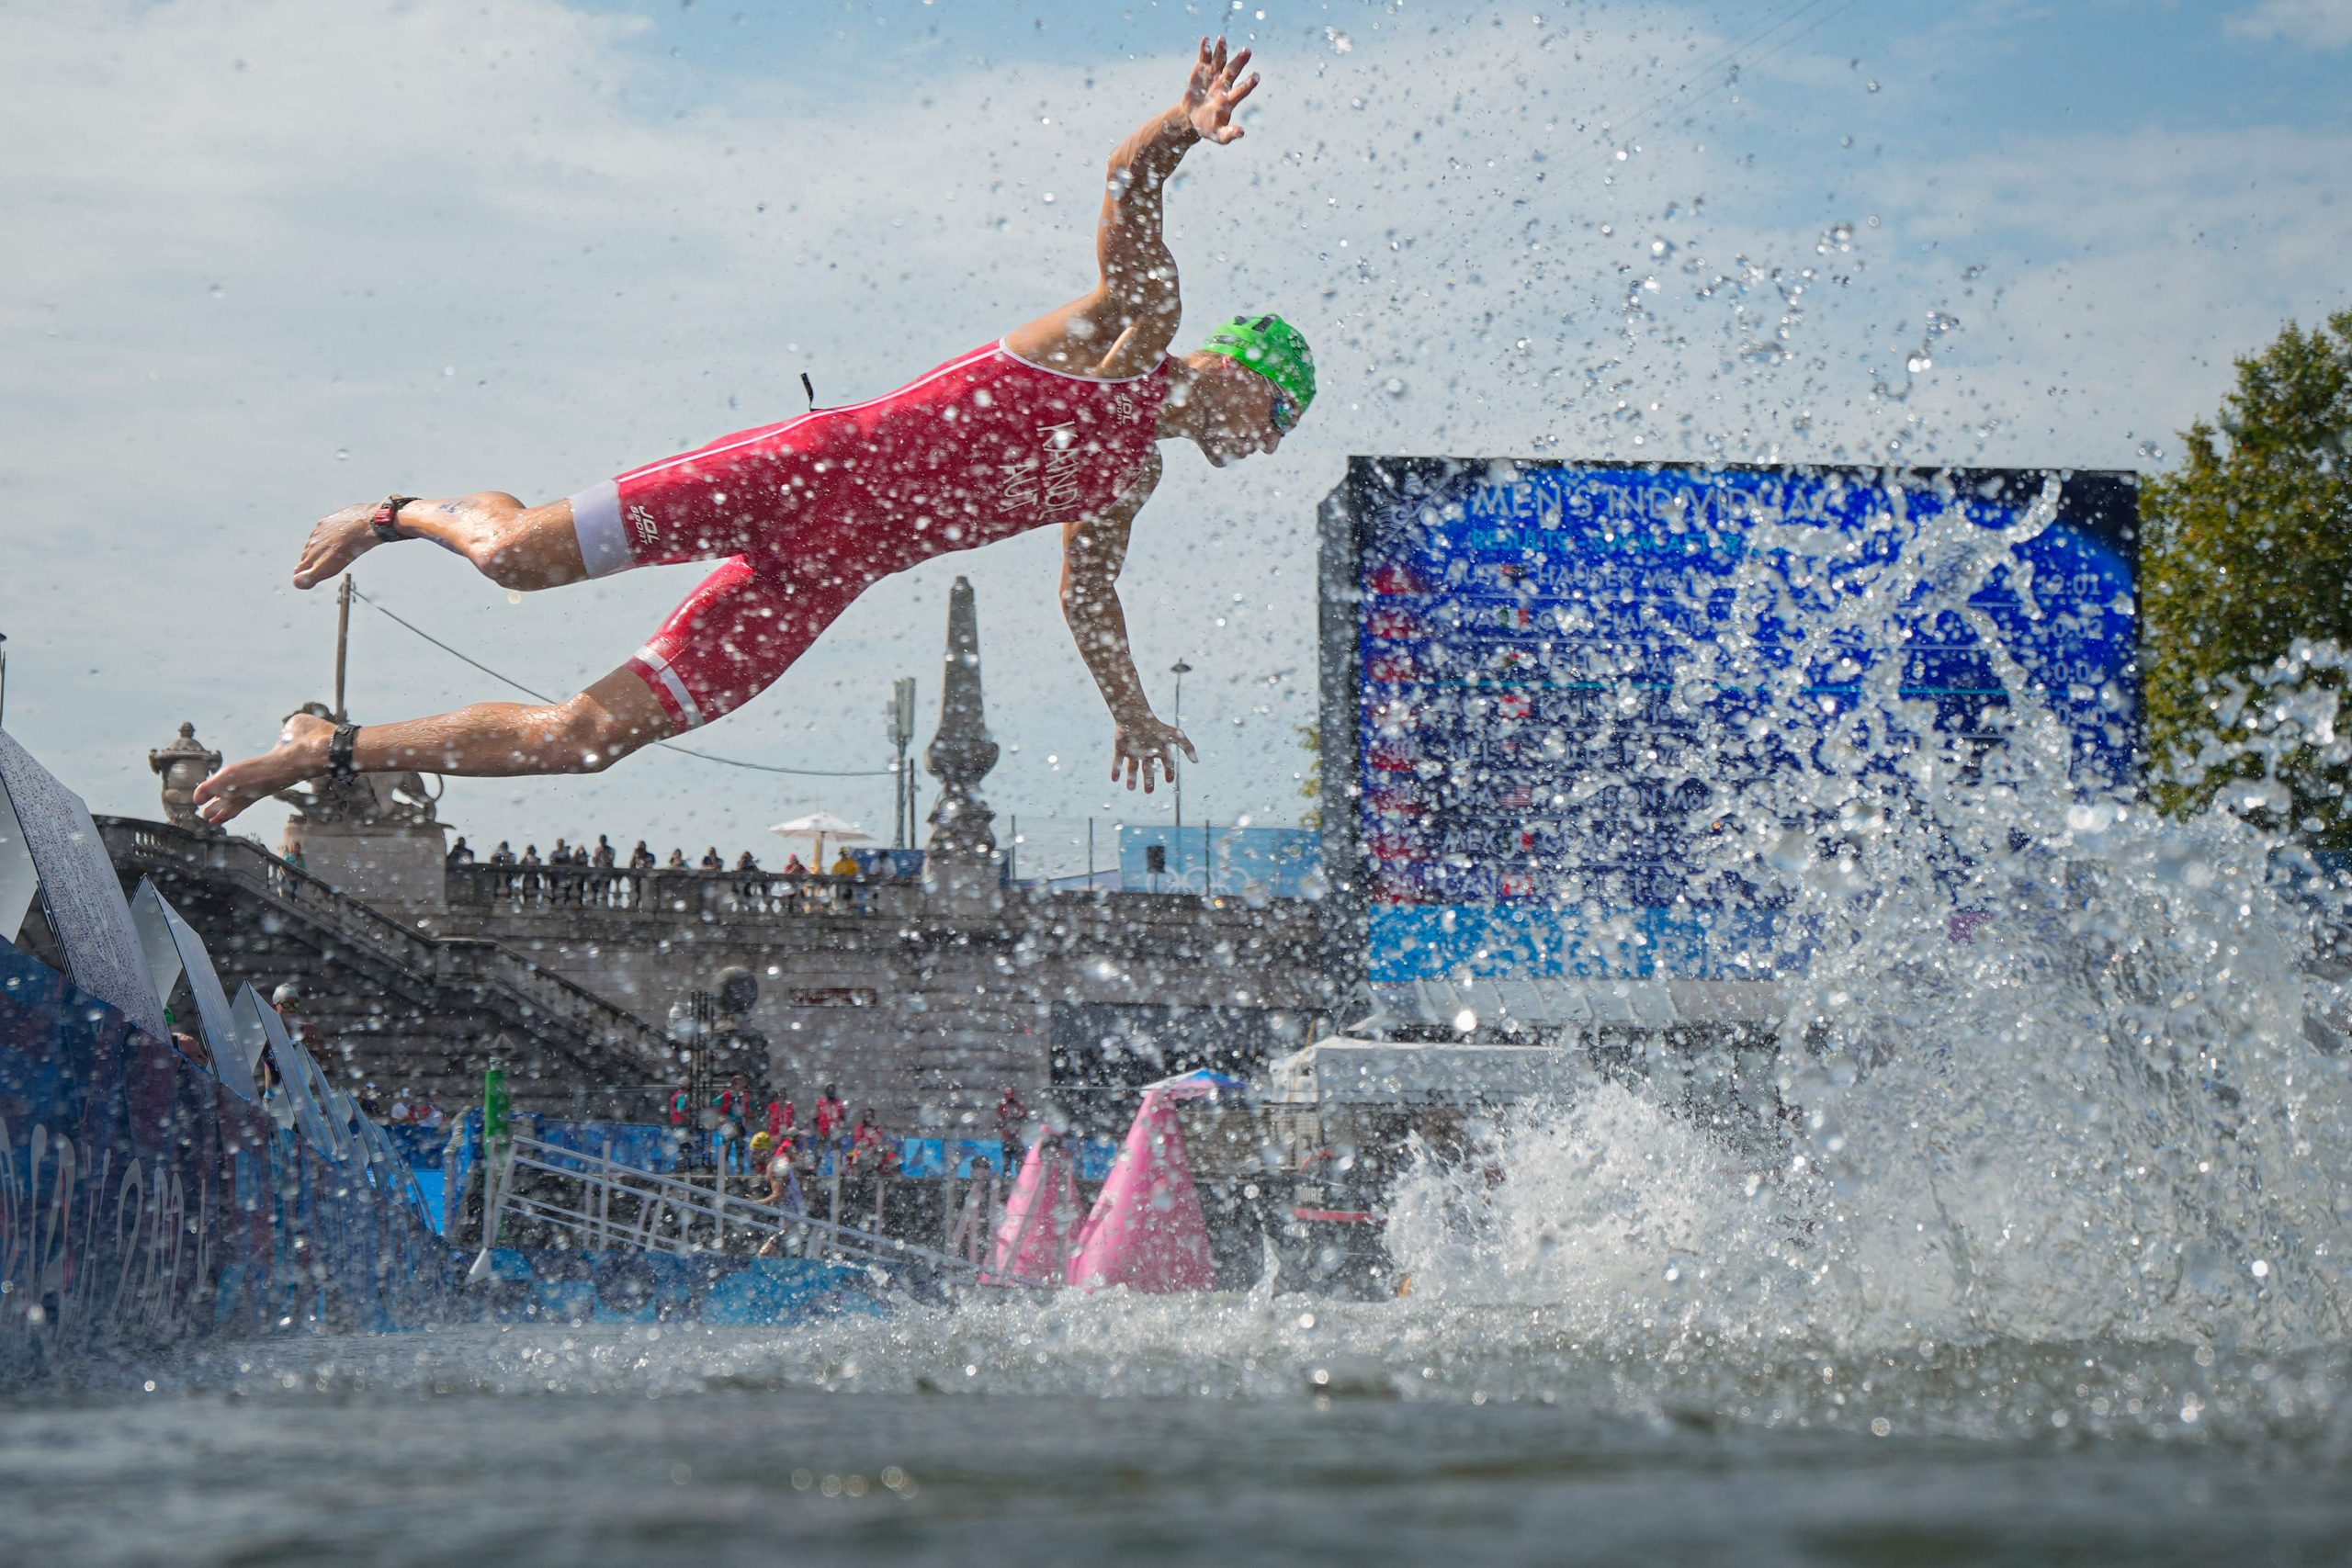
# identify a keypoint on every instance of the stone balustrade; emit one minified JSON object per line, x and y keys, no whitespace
{"x":514,"y":889}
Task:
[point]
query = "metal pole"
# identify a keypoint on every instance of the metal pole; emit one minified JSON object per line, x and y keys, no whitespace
{"x":605,"y":1199}
{"x":902,"y":735}
{"x":342,"y":643}
{"x":3,"y":675}
{"x":1089,"y":854}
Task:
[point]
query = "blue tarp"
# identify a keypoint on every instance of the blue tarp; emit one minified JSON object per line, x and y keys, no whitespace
{"x":651,"y":1146}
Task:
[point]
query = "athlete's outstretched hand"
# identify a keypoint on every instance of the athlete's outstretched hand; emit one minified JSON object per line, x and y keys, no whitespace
{"x":1144,"y":745}
{"x":1211,"y":95}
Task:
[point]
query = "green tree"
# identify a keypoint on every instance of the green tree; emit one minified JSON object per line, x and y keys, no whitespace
{"x":2246,"y":594}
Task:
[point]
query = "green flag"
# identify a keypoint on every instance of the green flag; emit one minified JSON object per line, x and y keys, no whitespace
{"x":496,"y":1107}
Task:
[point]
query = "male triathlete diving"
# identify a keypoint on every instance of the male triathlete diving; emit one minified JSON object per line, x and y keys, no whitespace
{"x":1054,"y":423}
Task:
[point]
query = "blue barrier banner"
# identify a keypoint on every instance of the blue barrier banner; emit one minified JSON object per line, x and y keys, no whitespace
{"x":166,"y":1207}
{"x":1574,"y":683}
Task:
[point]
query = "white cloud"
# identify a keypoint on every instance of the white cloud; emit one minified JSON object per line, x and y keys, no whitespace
{"x":2316,"y":24}
{"x":276,"y":258}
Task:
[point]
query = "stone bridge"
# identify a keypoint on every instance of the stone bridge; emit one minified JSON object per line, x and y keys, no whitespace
{"x":924,"y":999}
{"x":913,"y":1003}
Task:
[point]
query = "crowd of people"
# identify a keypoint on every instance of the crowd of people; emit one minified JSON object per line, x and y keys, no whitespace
{"x":604,"y":857}
{"x":761,"y":1133}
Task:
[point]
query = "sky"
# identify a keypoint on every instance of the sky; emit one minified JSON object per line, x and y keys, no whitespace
{"x":266,"y":260}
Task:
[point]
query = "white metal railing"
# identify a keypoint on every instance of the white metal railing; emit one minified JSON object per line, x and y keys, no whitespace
{"x":670,"y":1211}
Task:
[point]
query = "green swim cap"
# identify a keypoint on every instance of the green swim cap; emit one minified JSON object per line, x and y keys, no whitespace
{"x":1272,"y":347}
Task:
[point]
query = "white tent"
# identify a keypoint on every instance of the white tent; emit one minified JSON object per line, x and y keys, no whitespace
{"x":821,"y":826}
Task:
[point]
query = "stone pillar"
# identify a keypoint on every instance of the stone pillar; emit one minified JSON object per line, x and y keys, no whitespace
{"x":375,"y":836}
{"x":960,"y":862}
{"x":184,"y":764}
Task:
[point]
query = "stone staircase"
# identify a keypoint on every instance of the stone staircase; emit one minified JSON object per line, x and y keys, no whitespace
{"x":406,"y":1009}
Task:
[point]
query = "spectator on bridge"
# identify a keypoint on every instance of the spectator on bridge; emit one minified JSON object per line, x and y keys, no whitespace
{"x":560,"y":854}
{"x":503,"y":854}
{"x":642,"y":858}
{"x":830,"y":1114}
{"x":460,"y":855}
{"x":531,"y":855}
{"x":677,"y":861}
{"x":295,"y":858}
{"x":600,"y":887}
{"x":711,"y":861}
{"x":845,"y":867}
{"x":794,"y":867}
{"x":747,"y":863}
{"x":781,"y":1117}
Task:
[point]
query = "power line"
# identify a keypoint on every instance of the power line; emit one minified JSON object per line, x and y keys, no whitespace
{"x":666,"y":745}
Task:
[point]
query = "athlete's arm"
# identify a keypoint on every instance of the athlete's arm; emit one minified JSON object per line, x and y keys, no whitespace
{"x":1094,"y":549}
{"x":1123,"y":324}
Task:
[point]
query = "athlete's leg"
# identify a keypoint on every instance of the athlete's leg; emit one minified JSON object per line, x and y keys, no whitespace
{"x":515,"y":546}
{"x":715,"y":502}
{"x":731,"y":638}
{"x":612,"y":718}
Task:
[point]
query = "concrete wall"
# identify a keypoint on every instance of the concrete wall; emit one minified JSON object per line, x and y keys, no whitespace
{"x":925,"y":1018}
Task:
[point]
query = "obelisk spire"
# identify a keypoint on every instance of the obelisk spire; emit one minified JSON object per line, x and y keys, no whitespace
{"x":960,"y":865}
{"x":962,"y":752}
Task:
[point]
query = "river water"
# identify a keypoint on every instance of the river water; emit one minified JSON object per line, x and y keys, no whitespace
{"x":2034,"y":1245}
{"x":1265,"y":1429}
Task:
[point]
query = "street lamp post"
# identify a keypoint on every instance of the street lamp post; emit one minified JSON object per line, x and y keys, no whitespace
{"x":1180,"y":669}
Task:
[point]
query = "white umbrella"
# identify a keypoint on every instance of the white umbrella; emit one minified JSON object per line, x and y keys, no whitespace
{"x":821,"y":826}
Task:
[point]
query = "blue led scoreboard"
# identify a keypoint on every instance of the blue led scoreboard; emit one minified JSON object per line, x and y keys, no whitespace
{"x":1548,"y":685}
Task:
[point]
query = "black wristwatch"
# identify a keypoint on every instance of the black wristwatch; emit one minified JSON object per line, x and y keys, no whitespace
{"x":385,"y":521}
{"x":339,"y":763}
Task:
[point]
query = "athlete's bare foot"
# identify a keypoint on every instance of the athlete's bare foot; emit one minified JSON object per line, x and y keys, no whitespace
{"x":300,"y":753}
{"x":339,"y":539}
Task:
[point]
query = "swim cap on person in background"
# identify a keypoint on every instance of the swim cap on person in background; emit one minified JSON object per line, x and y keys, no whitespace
{"x":1274,"y":349}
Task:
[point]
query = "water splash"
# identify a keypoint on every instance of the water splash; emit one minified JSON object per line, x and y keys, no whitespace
{"x":2058,"y":1068}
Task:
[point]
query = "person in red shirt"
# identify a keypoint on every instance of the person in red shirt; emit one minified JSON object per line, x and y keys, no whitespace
{"x":1012,"y":1116}
{"x":865,"y":1144}
{"x":1058,"y":424}
{"x":830,"y":1114}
